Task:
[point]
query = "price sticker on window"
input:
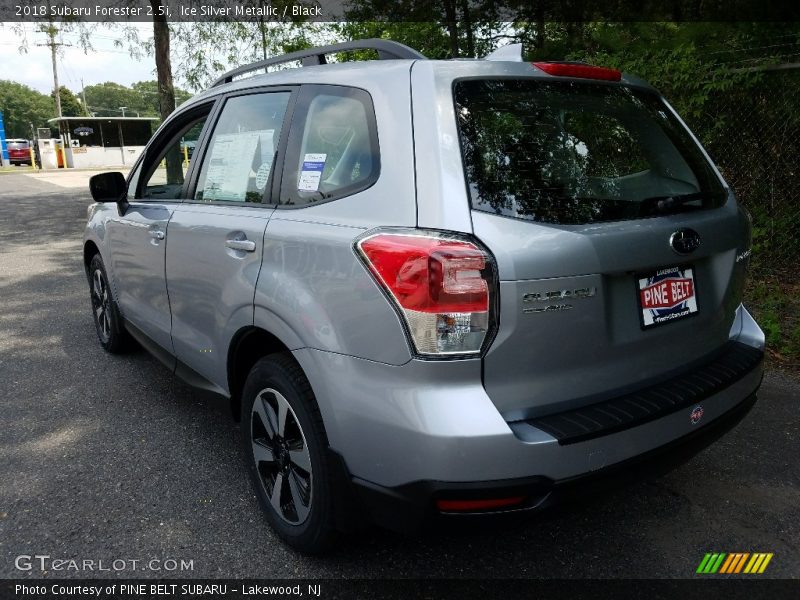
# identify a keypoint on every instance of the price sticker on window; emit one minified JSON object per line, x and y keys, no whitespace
{"x":311,"y":172}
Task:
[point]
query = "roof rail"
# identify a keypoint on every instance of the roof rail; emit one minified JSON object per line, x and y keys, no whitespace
{"x":387,"y":50}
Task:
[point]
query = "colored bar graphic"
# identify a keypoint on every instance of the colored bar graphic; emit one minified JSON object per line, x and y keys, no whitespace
{"x":755,"y":562}
{"x":731,"y":563}
{"x":764,"y":564}
{"x":740,"y":564}
{"x":734,"y":563}
{"x":703,"y":563}
{"x":727,"y":564}
{"x":711,"y":562}
{"x":718,"y":563}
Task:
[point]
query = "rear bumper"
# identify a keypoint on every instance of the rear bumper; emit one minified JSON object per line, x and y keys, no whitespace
{"x":407,"y":508}
{"x":430,"y":426}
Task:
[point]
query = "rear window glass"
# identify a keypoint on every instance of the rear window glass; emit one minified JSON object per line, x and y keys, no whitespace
{"x":574,"y":152}
{"x":17,"y":144}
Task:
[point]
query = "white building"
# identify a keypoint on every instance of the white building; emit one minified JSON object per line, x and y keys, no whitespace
{"x":103,"y":141}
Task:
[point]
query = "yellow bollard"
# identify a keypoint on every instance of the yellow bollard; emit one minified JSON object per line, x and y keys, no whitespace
{"x":33,"y":158}
{"x":185,"y":156}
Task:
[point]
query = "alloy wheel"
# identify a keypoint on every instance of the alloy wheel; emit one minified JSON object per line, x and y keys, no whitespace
{"x":101,"y":303}
{"x":281,"y":455}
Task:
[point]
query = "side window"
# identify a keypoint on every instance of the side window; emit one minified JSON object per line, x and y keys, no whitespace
{"x":133,"y":179}
{"x":337,"y":154}
{"x":168,"y":171}
{"x":238,"y":162}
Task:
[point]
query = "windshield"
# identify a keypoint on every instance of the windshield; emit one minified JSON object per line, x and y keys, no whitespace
{"x":574,"y":152}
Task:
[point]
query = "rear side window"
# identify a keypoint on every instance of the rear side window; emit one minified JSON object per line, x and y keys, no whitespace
{"x":575,"y":153}
{"x":333,"y":150}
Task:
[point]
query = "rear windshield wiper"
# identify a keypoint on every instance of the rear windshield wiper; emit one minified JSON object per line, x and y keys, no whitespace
{"x":664,"y":204}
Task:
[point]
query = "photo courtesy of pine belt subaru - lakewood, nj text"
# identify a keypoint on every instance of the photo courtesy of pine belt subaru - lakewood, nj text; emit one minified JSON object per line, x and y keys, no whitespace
{"x":430,"y":288}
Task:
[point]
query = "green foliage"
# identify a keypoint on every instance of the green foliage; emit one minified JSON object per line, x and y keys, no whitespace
{"x":776,"y":307}
{"x":23,"y":107}
{"x":199,"y":57}
{"x":447,"y":29}
{"x":70,"y":106}
{"x":680,"y":60}
{"x":106,"y":99}
{"x":427,"y":37}
{"x":148,"y":95}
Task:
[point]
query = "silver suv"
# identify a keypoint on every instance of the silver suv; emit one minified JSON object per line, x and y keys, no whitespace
{"x":433,"y":287}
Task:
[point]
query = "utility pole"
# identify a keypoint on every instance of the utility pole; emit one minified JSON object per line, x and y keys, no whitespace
{"x":51,"y":30}
{"x":83,"y":95}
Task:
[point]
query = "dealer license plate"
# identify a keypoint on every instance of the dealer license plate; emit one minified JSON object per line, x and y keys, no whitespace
{"x":667,"y":295}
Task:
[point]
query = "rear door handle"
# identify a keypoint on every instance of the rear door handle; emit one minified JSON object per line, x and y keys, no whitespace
{"x":244,"y":245}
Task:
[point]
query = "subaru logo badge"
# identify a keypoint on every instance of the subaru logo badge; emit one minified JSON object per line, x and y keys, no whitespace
{"x":696,"y":414}
{"x":685,"y":241}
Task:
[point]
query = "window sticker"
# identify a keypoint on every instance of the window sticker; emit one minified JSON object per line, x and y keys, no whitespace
{"x":230,"y":164}
{"x":311,"y":173}
{"x":262,"y":175}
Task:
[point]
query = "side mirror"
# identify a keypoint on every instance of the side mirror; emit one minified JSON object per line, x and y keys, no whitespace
{"x":108,"y":187}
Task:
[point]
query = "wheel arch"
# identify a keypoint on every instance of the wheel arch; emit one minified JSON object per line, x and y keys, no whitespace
{"x":248,"y":345}
{"x":90,"y":249}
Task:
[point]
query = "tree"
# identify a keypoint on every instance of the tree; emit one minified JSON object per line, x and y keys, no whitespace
{"x":142,"y":99}
{"x":147,"y":92}
{"x":23,"y":107}
{"x":105,"y":100}
{"x":201,"y":57}
{"x":70,"y":106}
{"x":463,"y":28}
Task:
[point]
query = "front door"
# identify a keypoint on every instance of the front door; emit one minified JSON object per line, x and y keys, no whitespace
{"x":138,"y":236}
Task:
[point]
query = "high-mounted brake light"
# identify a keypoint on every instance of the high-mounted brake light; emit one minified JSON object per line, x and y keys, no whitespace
{"x":579,"y":70}
{"x":441,"y":285}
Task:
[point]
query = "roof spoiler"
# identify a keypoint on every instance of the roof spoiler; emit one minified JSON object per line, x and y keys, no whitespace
{"x":512,"y":52}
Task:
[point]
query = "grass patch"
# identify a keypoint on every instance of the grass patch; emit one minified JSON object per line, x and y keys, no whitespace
{"x":775,"y":304}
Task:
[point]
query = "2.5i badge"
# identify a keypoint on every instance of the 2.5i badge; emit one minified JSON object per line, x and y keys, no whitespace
{"x":667,"y":295}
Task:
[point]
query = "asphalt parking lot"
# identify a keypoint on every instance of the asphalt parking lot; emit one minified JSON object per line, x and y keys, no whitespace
{"x":107,"y":457}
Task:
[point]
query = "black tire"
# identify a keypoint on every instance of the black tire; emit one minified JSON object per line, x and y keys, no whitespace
{"x":304,"y":519}
{"x":105,"y":312}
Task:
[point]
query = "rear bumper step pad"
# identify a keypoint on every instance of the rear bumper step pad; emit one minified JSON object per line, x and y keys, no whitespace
{"x":648,"y":404}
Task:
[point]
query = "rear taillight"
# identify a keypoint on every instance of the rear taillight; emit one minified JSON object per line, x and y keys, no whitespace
{"x":441,"y":284}
{"x":579,"y":70}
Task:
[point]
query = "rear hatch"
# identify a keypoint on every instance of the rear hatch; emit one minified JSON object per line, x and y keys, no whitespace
{"x":616,"y":240}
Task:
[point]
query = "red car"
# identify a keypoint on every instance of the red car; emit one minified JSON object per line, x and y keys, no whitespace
{"x":19,"y":151}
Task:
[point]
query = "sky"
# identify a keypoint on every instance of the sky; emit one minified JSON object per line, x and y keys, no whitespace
{"x":105,"y":63}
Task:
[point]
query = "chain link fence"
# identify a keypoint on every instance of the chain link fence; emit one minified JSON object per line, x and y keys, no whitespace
{"x":753,"y":135}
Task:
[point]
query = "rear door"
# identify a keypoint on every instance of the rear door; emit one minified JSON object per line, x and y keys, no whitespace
{"x":615,"y":239}
{"x":216,"y":237}
{"x":137,"y":237}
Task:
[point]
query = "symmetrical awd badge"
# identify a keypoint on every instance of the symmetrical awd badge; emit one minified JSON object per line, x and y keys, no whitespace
{"x":555,"y":295}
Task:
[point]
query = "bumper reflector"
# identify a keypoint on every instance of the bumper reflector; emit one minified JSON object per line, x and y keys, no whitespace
{"x":477,"y":505}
